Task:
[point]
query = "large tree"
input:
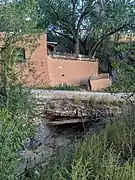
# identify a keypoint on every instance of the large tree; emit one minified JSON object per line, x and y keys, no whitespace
{"x":86,"y":23}
{"x":65,"y":18}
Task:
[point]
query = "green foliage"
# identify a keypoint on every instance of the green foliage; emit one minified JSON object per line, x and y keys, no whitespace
{"x":124,"y":69}
{"x":18,"y":16}
{"x":108,"y":155}
{"x":90,"y":21}
{"x":63,"y":87}
{"x":15,"y":128}
{"x":16,"y":104}
{"x":125,"y":81}
{"x":122,"y":136}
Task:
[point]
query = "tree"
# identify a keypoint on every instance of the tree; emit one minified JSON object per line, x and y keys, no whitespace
{"x":17,"y":19}
{"x":111,"y":17}
{"x":65,"y":18}
{"x":86,"y":23}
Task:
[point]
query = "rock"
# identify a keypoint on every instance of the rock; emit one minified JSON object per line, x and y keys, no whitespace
{"x":30,"y":155}
{"x":68,"y":132}
{"x":62,"y":141}
{"x":27,"y":143}
{"x":49,"y":141}
{"x":46,"y":153}
{"x":99,"y":126}
{"x":66,"y":109}
{"x":43,"y":131}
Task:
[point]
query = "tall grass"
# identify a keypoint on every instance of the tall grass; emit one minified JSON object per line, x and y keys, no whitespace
{"x":109,"y":155}
{"x":15,"y":115}
{"x":63,"y":87}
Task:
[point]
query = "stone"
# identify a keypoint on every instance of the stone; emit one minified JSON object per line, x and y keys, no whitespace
{"x":46,"y":153}
{"x":43,"y":131}
{"x":66,"y":109}
{"x":62,"y":141}
{"x":27,"y":143}
{"x":49,"y":141}
{"x":31,"y":157}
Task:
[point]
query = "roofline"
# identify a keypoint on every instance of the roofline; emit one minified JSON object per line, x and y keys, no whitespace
{"x":53,"y":43}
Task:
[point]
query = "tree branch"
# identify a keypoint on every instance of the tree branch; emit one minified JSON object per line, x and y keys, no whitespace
{"x":104,"y":36}
{"x":84,"y":13}
{"x":64,"y":24}
{"x":73,"y":12}
{"x":64,"y":35}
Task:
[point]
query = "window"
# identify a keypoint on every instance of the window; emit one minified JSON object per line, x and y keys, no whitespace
{"x":19,"y":54}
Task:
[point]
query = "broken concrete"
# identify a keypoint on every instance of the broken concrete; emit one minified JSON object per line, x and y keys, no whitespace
{"x":64,"y":111}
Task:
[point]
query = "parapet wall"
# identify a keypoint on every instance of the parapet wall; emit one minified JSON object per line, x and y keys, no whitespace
{"x":100,"y":84}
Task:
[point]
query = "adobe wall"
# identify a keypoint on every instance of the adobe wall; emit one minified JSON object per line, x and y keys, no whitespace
{"x":99,"y":84}
{"x":73,"y":70}
{"x":35,"y":70}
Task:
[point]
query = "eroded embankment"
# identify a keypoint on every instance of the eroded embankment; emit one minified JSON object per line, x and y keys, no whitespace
{"x":63,"y":116}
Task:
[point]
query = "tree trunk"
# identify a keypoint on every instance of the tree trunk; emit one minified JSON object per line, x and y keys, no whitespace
{"x":77,"y":47}
{"x":93,"y":50}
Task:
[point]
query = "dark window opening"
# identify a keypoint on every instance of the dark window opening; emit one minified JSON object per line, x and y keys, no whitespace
{"x":51,"y":47}
{"x":19,"y":54}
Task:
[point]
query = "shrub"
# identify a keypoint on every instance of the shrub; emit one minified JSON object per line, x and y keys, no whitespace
{"x":66,"y":87}
{"x":63,"y":87}
{"x":13,"y":133}
{"x":14,"y":130}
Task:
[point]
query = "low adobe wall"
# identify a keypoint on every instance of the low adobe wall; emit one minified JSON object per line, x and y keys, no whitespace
{"x":100,"y":84}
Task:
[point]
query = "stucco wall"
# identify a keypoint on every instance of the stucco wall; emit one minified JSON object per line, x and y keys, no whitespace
{"x":73,"y":70}
{"x":35,"y":70}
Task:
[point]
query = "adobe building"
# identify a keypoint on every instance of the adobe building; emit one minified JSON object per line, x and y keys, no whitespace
{"x":43,"y":67}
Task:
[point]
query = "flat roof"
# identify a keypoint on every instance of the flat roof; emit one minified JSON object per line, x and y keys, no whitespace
{"x":51,"y":43}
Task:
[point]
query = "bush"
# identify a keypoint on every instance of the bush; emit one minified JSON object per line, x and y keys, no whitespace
{"x":66,"y":87}
{"x":63,"y":87}
{"x":125,"y":78}
{"x":14,"y":130}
